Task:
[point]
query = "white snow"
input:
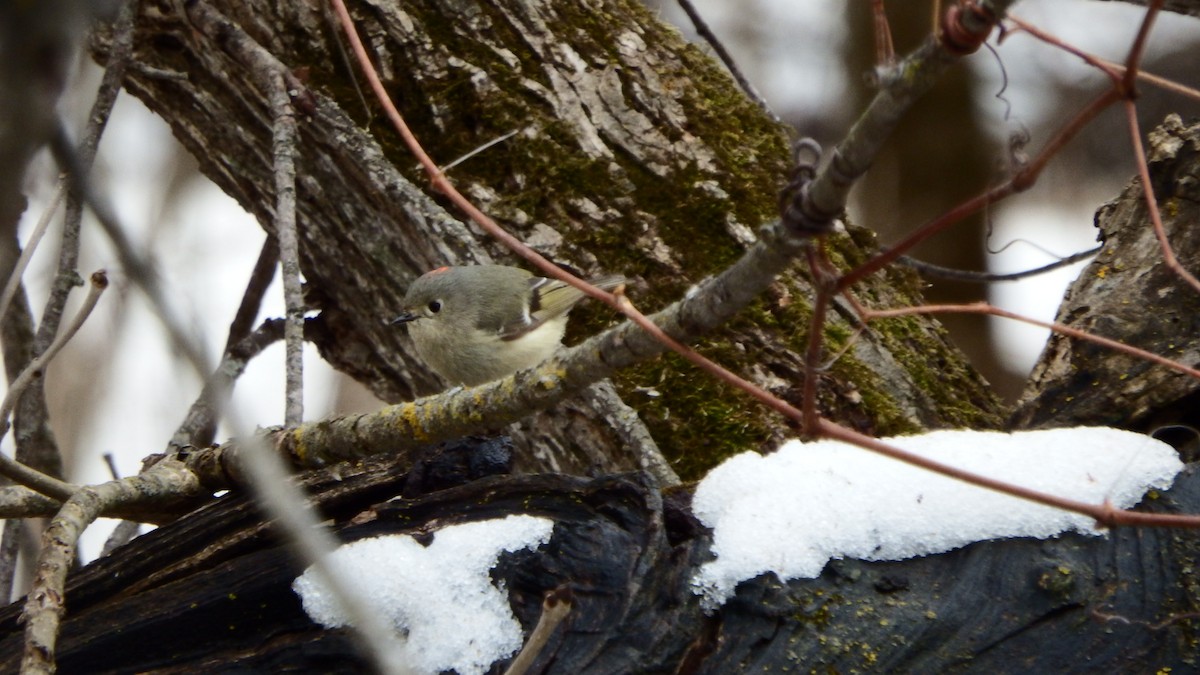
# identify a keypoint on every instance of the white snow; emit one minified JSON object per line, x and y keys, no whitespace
{"x":792,"y":511}
{"x":441,"y":596}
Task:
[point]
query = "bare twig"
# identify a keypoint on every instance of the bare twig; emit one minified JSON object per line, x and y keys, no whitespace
{"x":284,"y":118}
{"x":141,"y":270}
{"x":813,"y":210}
{"x":556,"y":606}
{"x":11,"y":468}
{"x":632,"y":432}
{"x":985,"y":308}
{"x":475,"y":151}
{"x":1138,"y":49}
{"x":1021,"y":180}
{"x":1113,"y":71}
{"x":122,"y":534}
{"x":37,"y":367}
{"x":256,"y":289}
{"x":126,"y":529}
{"x":66,"y":276}
{"x":200,"y":423}
{"x":199,"y":427}
{"x":18,"y":502}
{"x":929,"y":270}
{"x":1160,"y":232}
{"x":332,"y":23}
{"x":1104,"y":514}
{"x":885,"y":52}
{"x":44,"y":604}
{"x":35,"y":237}
{"x":704,"y":31}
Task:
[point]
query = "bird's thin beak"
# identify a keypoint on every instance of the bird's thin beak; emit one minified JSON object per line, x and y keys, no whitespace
{"x":405,"y":318}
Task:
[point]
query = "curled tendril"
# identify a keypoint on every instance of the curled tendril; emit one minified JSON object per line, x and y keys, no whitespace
{"x":965,"y":26}
{"x":806,"y":154}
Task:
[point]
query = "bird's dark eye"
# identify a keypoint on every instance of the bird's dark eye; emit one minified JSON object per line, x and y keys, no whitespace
{"x":435,"y":306}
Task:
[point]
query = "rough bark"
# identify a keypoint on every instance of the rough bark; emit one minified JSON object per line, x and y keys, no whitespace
{"x":634,"y":153}
{"x":1128,"y":293}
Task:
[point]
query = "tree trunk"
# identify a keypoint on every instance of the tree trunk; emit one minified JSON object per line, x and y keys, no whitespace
{"x":633,"y":153}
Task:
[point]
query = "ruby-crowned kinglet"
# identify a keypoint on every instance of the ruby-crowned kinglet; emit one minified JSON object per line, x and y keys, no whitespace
{"x":480,"y":323}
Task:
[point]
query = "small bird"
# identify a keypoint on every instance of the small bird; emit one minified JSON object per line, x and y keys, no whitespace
{"x":479,"y":323}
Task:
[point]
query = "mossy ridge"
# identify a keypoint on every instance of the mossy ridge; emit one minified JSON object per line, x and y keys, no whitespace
{"x":751,"y":159}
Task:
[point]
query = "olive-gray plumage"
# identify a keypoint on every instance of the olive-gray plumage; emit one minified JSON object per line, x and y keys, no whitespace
{"x":479,"y":323}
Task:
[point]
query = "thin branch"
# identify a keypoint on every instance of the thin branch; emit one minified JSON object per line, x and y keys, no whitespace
{"x":1113,"y":71}
{"x":125,"y":530}
{"x":38,"y":365}
{"x":66,"y":277}
{"x":18,"y":472}
{"x":1160,"y":232}
{"x":631,"y":432}
{"x":1138,"y":49}
{"x":556,"y":606}
{"x":1063,"y":329}
{"x":284,"y":124}
{"x":18,"y":502}
{"x":812,"y":210}
{"x":929,"y":270}
{"x":332,"y":23}
{"x":704,"y":31}
{"x":256,"y":289}
{"x":475,"y":151}
{"x":10,"y":544}
{"x":16,"y":338}
{"x":1104,"y":514}
{"x":44,"y":606}
{"x":885,"y":52}
{"x":1021,"y":180}
{"x":35,"y":237}
{"x":140,"y":269}
{"x":199,"y":425}
{"x":1161,"y":82}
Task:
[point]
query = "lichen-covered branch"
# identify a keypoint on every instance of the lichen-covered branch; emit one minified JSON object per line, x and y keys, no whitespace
{"x":44,"y":604}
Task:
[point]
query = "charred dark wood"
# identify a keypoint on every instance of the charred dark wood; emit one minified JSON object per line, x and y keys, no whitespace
{"x":1082,"y":604}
